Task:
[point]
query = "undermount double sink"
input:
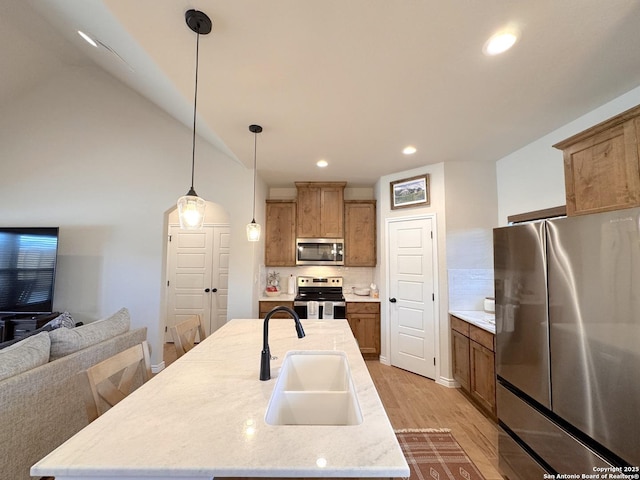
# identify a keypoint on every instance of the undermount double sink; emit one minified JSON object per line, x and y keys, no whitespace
{"x":314,"y":387}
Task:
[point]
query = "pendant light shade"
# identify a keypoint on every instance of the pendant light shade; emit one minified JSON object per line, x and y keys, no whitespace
{"x":191,"y":207}
{"x":253,"y":228}
{"x":191,"y":211}
{"x":253,"y":231}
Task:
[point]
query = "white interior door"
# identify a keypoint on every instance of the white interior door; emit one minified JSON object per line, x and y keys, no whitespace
{"x":412,"y":295}
{"x":220,"y":277}
{"x":197,"y":276}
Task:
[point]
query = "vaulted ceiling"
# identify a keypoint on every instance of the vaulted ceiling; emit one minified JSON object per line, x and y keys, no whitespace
{"x":348,"y":81}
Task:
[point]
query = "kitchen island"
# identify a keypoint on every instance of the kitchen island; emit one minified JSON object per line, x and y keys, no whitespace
{"x":204,"y":417}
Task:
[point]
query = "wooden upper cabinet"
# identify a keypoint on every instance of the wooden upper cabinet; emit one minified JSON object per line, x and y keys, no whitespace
{"x":280,"y":234}
{"x":360,"y":233}
{"x":308,"y":211}
{"x":320,"y":209}
{"x":602,"y":165}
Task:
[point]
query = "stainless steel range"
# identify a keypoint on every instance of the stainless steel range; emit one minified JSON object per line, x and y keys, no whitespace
{"x":320,"y":298}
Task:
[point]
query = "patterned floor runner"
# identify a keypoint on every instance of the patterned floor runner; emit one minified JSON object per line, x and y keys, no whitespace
{"x":433,"y":454}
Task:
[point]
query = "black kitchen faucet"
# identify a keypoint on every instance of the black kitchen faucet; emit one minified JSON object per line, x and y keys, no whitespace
{"x":265,"y":355}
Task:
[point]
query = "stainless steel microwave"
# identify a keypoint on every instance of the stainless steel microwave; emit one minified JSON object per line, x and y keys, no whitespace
{"x":319,"y":251}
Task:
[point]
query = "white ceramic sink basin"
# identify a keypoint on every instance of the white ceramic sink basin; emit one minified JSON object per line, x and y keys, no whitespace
{"x":314,"y":388}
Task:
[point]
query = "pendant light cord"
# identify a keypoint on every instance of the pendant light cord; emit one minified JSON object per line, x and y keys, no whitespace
{"x":255,"y":171}
{"x":195,"y":106}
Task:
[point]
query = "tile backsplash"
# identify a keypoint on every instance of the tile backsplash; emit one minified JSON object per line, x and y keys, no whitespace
{"x":469,"y":287}
{"x":352,"y":276}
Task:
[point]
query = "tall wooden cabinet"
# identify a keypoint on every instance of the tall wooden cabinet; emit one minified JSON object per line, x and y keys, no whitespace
{"x":360,"y":233}
{"x":280,"y":234}
{"x":602,"y":165}
{"x":320,"y":209}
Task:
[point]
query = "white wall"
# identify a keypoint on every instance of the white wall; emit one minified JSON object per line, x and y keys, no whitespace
{"x":472,"y":213}
{"x":87,"y":154}
{"x":384,"y":212}
{"x":532,"y":178}
{"x":464,"y":201}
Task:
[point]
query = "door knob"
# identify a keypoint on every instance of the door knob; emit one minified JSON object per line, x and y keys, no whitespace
{"x":214,"y":290}
{"x":392,"y":300}
{"x":207,"y":290}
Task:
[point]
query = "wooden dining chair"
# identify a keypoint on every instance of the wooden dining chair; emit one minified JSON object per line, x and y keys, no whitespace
{"x":123,"y":368}
{"x":186,"y":333}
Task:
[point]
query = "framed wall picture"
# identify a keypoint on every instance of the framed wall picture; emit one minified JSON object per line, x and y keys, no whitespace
{"x":410,"y":192}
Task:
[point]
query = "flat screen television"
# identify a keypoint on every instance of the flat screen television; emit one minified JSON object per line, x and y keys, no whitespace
{"x":27,"y":269}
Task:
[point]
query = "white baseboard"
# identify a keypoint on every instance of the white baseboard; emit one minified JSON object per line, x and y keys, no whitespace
{"x":448,"y":382}
{"x":158,"y":368}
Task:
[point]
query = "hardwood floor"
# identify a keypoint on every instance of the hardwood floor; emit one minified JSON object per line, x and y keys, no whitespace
{"x":412,"y":401}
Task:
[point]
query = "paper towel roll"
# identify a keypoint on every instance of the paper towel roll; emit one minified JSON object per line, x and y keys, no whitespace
{"x":291,"y":288}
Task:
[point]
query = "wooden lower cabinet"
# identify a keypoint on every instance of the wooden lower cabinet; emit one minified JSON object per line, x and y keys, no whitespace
{"x":473,"y":360}
{"x":460,"y":348}
{"x":483,"y":376}
{"x":266,"y":306}
{"x":364,"y":320}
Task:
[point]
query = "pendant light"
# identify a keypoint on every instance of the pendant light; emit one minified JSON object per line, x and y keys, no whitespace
{"x":191,"y":206}
{"x":253,"y":228}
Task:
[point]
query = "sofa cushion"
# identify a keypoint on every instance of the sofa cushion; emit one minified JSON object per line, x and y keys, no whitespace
{"x":24,"y":355}
{"x":68,"y":340}
{"x":45,"y":328}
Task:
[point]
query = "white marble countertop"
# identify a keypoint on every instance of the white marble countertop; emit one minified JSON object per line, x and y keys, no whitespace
{"x":479,"y":318}
{"x":283,"y":297}
{"x":352,"y":297}
{"x":203,"y":417}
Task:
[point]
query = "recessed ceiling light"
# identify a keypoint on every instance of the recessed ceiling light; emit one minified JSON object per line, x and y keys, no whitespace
{"x":409,"y":150}
{"x":322,"y":163}
{"x":500,"y":42}
{"x":88,"y":39}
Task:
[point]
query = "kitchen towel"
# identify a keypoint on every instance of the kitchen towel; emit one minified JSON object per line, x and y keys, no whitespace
{"x":312,"y":309}
{"x":327,"y":311}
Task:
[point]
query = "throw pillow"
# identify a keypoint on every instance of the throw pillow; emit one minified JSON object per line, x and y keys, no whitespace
{"x":65,"y":341}
{"x":62,"y":320}
{"x":24,"y":355}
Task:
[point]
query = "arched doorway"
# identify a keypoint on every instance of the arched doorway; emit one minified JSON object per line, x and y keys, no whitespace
{"x":197,"y":270}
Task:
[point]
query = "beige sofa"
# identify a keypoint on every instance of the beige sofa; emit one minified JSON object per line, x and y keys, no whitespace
{"x":43,"y":406}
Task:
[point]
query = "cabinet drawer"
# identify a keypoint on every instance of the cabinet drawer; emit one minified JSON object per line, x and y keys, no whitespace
{"x":265,"y":307}
{"x":459,"y":325}
{"x":363,"y":307}
{"x":482,"y":337}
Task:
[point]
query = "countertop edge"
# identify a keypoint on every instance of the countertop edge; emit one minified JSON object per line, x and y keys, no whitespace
{"x":348,"y":297}
{"x":479,"y":318}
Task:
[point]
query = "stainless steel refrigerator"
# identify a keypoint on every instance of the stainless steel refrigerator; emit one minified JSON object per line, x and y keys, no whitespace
{"x":568,"y":344}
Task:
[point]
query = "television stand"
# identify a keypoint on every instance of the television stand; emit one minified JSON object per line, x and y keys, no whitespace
{"x":19,"y":325}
